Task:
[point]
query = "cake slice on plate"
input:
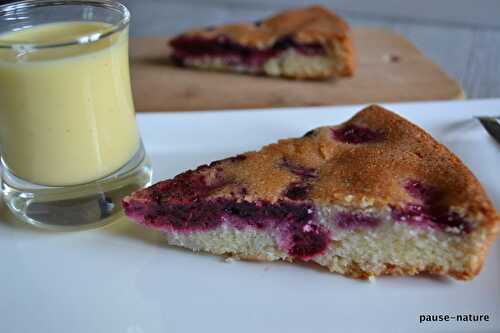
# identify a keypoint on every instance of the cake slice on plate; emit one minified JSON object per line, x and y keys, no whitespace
{"x":307,"y":43}
{"x":375,"y":195}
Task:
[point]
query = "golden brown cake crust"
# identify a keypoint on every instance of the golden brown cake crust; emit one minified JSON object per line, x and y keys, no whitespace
{"x":305,"y":25}
{"x":310,"y":25}
{"x":374,"y":172}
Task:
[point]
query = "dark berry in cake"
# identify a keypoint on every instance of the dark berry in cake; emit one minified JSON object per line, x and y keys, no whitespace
{"x":355,"y":134}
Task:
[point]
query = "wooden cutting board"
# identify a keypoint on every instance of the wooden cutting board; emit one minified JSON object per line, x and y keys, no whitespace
{"x":389,"y":69}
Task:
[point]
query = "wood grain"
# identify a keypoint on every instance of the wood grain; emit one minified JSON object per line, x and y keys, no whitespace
{"x":390,"y":69}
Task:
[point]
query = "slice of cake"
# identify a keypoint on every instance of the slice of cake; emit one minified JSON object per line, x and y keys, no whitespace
{"x":375,"y":195}
{"x":308,"y":43}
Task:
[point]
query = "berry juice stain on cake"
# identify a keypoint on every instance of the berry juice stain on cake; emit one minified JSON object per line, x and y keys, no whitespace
{"x":428,"y":211}
{"x":355,"y":134}
{"x":305,"y":241}
{"x":427,"y":216}
{"x":418,"y":190}
{"x":352,"y":221}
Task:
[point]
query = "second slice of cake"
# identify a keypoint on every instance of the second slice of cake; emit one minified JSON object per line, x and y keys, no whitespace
{"x":308,"y":43}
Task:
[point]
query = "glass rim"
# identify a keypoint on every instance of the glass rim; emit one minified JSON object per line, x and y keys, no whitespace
{"x":84,"y":39}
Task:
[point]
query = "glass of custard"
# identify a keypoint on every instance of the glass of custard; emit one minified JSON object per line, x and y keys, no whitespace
{"x":69,"y":143}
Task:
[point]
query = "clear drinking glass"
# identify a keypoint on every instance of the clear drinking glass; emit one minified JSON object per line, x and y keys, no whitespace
{"x":69,"y":141}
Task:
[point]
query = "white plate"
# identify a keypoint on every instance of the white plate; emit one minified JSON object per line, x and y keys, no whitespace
{"x":123,"y":278}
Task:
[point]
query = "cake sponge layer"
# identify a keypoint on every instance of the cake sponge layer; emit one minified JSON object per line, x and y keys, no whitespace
{"x":358,"y":251}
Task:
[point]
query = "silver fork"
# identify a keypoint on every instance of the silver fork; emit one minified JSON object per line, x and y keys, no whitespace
{"x":492,"y":126}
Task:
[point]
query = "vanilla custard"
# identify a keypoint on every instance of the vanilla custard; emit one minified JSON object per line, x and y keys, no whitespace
{"x":66,"y":112}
